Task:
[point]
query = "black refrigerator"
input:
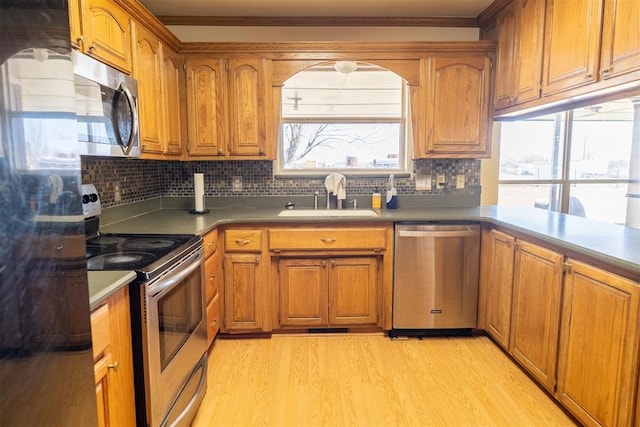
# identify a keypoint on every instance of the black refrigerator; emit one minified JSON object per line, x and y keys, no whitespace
{"x":46,"y":363}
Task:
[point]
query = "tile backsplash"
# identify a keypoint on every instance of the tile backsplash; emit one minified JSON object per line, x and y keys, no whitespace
{"x":138,"y":180}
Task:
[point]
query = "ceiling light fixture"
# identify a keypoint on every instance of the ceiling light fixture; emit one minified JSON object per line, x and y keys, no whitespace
{"x":345,"y":67}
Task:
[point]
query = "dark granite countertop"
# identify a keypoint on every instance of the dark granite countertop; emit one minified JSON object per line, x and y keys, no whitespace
{"x":610,"y":244}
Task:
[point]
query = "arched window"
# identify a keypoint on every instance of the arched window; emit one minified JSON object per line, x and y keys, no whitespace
{"x":343,"y":116}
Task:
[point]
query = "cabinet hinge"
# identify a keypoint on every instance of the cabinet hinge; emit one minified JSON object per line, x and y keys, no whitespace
{"x":491,"y":65}
{"x":184,"y":67}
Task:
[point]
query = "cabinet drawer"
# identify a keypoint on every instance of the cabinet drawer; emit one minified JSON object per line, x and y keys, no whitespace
{"x":213,"y":318}
{"x":212,"y":268}
{"x":210,"y":243}
{"x":100,"y":331}
{"x":243,"y":240}
{"x":327,"y":238}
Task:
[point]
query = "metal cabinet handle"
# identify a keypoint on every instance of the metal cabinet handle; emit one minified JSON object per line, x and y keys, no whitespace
{"x":333,"y":262}
{"x":324,"y":263}
{"x":258,"y":259}
{"x":242,"y":242}
{"x":212,"y":278}
{"x":220,"y":151}
{"x":115,"y":365}
{"x":328,"y":239}
{"x":588,"y":75}
{"x":211,"y":244}
{"x":605,"y":70}
{"x":92,"y":47}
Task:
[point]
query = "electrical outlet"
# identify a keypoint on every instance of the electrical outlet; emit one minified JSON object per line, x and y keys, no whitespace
{"x":116,"y":194}
{"x":460,"y":181}
{"x":236,"y":183}
{"x":440,"y":181}
{"x":423,"y":182}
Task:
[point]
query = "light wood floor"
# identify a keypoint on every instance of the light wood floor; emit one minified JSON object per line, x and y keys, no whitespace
{"x":370,"y":380}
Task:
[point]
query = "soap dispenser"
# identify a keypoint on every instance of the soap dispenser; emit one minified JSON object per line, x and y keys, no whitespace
{"x":376,"y":200}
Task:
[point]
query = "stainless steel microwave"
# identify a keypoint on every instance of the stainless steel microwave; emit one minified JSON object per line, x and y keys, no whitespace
{"x":106,"y":109}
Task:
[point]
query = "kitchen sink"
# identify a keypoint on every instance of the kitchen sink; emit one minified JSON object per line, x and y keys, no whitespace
{"x":322,"y":213}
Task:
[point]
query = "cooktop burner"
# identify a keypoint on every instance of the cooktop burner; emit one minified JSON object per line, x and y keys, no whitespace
{"x":139,"y":252}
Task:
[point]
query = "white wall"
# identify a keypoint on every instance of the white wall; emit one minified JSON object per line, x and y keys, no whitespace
{"x":298,"y":34}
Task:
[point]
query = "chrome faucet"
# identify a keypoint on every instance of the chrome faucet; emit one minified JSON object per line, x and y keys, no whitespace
{"x":328,"y":200}
{"x":315,"y":200}
{"x":354,"y":202}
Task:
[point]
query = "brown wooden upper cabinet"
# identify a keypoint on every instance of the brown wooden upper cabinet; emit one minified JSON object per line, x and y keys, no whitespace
{"x":160,"y":76}
{"x":228,"y":102}
{"x":451,"y":111}
{"x":102,"y":29}
{"x":549,"y":47}
{"x":518,"y":76}
{"x":148,"y":71}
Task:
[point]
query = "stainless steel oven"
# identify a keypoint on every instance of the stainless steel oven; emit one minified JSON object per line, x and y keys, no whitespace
{"x":168,"y":317}
{"x":170,"y":341}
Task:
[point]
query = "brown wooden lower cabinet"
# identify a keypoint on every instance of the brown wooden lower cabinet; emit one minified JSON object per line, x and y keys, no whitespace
{"x":499,"y":285}
{"x":598,"y":358}
{"x":322,"y":292}
{"x":569,"y":315}
{"x":113,"y":363}
{"x":535,"y":315}
{"x":243,"y":292}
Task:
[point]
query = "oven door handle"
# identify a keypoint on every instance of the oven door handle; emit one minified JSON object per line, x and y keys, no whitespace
{"x":175,"y":277}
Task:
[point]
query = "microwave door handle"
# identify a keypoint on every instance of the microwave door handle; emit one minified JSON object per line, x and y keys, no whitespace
{"x":174,"y":278}
{"x":126,"y":148}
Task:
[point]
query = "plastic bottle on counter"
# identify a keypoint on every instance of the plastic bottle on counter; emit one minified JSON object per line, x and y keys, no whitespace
{"x":376,"y":200}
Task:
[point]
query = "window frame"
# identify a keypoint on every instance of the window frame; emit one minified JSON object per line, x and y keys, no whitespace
{"x":564,"y":182}
{"x":404,"y":142}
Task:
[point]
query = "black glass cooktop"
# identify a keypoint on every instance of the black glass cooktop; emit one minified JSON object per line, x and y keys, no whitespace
{"x":134,"y":251}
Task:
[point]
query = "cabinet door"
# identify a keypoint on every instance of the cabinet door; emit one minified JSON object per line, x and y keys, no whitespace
{"x":173,"y":98}
{"x":572,"y":44}
{"x":248,"y":107}
{"x":75,"y":23}
{"x":206,"y":107}
{"x":504,"y":94}
{"x":243,"y":298}
{"x":499,"y":287}
{"x":121,"y":406}
{"x":458,"y":122}
{"x":535,"y":318}
{"x":147,"y":70}
{"x":598,"y":359}
{"x":352,"y":291}
{"x":530,"y":34}
{"x":620,"y":38}
{"x":303,"y":285}
{"x":101,"y":372}
{"x":108,"y":33}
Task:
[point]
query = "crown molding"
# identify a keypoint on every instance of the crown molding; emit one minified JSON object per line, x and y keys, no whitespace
{"x":318,"y":21}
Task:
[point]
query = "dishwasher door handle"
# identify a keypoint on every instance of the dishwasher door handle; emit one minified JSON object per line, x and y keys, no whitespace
{"x":434,"y":233}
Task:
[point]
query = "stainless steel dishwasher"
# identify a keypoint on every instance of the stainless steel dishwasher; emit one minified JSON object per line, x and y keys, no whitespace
{"x":436,"y":270}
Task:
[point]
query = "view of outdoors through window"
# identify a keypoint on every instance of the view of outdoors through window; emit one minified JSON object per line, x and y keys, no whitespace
{"x":576,"y":161}
{"x":332,"y":120}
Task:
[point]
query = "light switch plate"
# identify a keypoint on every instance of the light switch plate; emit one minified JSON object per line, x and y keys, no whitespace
{"x":460,"y":181}
{"x":423,"y":182}
{"x":440,"y":181}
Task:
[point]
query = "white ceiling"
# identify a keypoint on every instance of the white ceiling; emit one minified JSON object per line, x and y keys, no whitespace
{"x":319,"y":8}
